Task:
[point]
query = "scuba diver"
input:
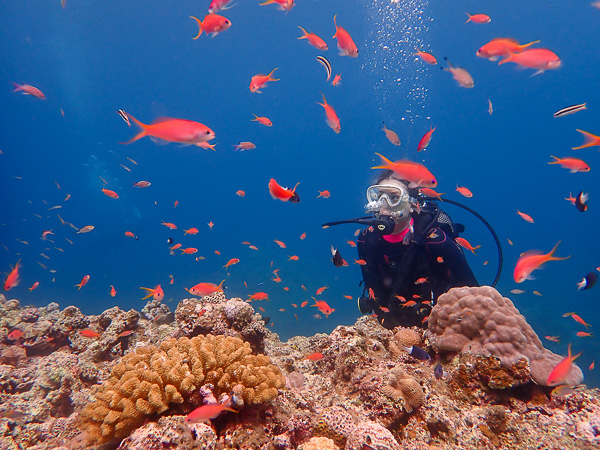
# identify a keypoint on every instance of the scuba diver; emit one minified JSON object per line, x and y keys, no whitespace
{"x":407,"y":269}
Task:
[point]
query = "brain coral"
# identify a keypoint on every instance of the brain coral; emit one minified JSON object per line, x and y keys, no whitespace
{"x":480,"y":321}
{"x":335,"y":423}
{"x":148,"y":380}
{"x":402,"y":386}
{"x":371,"y":435}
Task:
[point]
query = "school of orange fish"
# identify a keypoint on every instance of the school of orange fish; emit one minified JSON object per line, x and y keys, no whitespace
{"x":188,"y":132}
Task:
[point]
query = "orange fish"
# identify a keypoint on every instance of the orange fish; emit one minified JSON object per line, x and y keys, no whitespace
{"x":536,"y":58}
{"x":109,"y":193}
{"x":131,"y":235}
{"x":45,"y":234}
{"x":85,"y":229}
{"x":525,"y":217}
{"x":173,"y":130}
{"x":259,"y":296}
{"x":12,"y":280}
{"x":202,"y":289}
{"x":478,"y":18}
{"x":584,"y":334}
{"x":245,"y":146}
{"x":321,"y":290}
{"x":113,"y":291}
{"x":83,"y":282}
{"x":34,"y":286}
{"x":14,"y":335}
{"x":253,"y":247}
{"x":323,"y":307}
{"x":590,"y":140}
{"x":315,"y":357}
{"x":345,"y":43}
{"x":349,"y":297}
{"x":157,"y":293}
{"x":263,"y":120}
{"x":88,"y":333}
{"x":425,"y":140}
{"x":591,"y":366}
{"x":240,"y":193}
{"x":324,"y":194}
{"x":283,"y":5}
{"x":337,"y":80}
{"x":350,"y":243}
{"x":169,"y":225}
{"x":175,"y":247}
{"x":431,"y":193}
{"x":304,"y":303}
{"x":190,"y":231}
{"x":464,"y":243}
{"x":211,"y":225}
{"x":293,"y":258}
{"x":332,"y":118}
{"x":314,"y":40}
{"x":283,"y":193}
{"x":141,"y":184}
{"x":231,"y":262}
{"x":303,"y":236}
{"x":205,"y":413}
{"x":553,"y":338}
{"x":260,"y":80}
{"x":577,"y":319}
{"x":440,"y":259}
{"x":391,"y":135}
{"x":573,"y":164}
{"x":415,"y":173}
{"x":427,"y":57}
{"x":532,"y":260}
{"x":409,"y":303}
{"x":125,"y":333}
{"x":560,"y":373}
{"x":465,"y":192}
{"x":213,"y":24}
{"x":176,"y":203}
{"x":498,"y":47}
{"x":189,"y":250}
{"x":29,"y":90}
{"x":360,"y":262}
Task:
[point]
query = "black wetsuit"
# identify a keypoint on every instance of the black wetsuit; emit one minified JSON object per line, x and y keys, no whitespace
{"x":420,"y":271}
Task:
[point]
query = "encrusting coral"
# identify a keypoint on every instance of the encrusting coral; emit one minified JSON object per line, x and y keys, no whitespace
{"x":402,"y":386}
{"x":480,"y":321}
{"x":148,"y":380}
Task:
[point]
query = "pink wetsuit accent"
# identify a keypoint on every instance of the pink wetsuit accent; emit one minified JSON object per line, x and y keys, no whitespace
{"x":393,"y":238}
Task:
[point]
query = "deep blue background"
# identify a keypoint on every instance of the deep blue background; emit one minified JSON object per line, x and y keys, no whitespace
{"x":94,"y":57}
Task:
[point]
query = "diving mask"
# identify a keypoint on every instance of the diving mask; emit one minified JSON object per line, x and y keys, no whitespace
{"x":394,"y":196}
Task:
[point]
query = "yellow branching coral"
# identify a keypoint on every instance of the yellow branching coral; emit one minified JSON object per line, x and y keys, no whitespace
{"x":150,"y":379}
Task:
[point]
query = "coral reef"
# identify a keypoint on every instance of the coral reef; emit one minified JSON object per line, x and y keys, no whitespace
{"x":52,"y":373}
{"x":148,"y":380}
{"x":480,"y":321}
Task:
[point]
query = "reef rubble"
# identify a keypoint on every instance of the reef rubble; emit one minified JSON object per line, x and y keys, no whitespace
{"x":362,"y":392}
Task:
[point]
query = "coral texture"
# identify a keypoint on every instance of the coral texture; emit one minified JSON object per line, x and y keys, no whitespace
{"x":150,"y":379}
{"x":480,"y":321}
{"x":371,"y":435}
{"x":402,"y":386}
{"x":319,"y":443}
{"x":335,"y":423}
{"x":406,"y":337}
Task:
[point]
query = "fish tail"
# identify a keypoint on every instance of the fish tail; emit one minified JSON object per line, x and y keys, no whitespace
{"x":268,"y":2}
{"x":78,"y":286}
{"x":556,"y":160}
{"x":336,"y":27}
{"x":590,"y":140}
{"x":469,"y":19}
{"x":220,"y":286}
{"x":151,"y":292}
{"x":556,"y":258}
{"x":305,"y":33}
{"x":507,"y":58}
{"x":324,"y":100}
{"x":529,"y":44}
{"x":141,"y":134}
{"x":199,"y":26}
{"x":271,"y":73}
{"x":387,"y":161}
{"x":18,"y":87}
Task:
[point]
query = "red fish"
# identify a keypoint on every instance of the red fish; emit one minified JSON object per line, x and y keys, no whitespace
{"x":337,"y":80}
{"x":131,"y":235}
{"x":498,"y":47}
{"x":34,"y":286}
{"x":109,"y":193}
{"x":141,"y":184}
{"x":345,"y":43}
{"x":425,"y":140}
{"x":260,"y":80}
{"x":391,"y":135}
{"x":259,"y":296}
{"x":413,"y":172}
{"x":217,"y":5}
{"x":15,"y":335}
{"x":532,"y":260}
{"x":45,"y":234}
{"x":464,"y":243}
{"x":536,"y":58}
{"x":245,"y":146}
{"x":83,"y":282}
{"x":205,"y":413}
{"x":191,"y":231}
{"x":113,"y":291}
{"x":573,"y":164}
{"x":168,"y":129}
{"x":89,"y":333}
{"x":314,"y":40}
{"x":562,"y":370}
{"x":315,"y":357}
{"x":157,"y":293}
{"x":323,"y":307}
{"x":29,"y":90}
{"x":213,"y":24}
{"x":169,"y":225}
{"x":283,"y":193}
{"x":189,"y":250}
{"x":262,"y":120}
{"x":590,"y":140}
{"x":12,"y":280}
{"x":478,"y":18}
{"x":321,"y":290}
{"x":331,"y":116}
{"x":465,"y":192}
{"x":324,"y":194}
{"x":204,"y":288}
{"x":231,"y":262}
{"x":427,"y":57}
{"x":525,"y":217}
{"x":284,"y":5}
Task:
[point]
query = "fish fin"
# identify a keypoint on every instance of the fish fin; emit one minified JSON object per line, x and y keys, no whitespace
{"x":268,"y":2}
{"x":528,"y":44}
{"x":469,"y":19}
{"x":271,"y":73}
{"x":305,"y":33}
{"x":151,"y":292}
{"x":590,"y":140}
{"x":18,"y":87}
{"x":538,"y":72}
{"x":141,"y":134}
{"x":336,"y":27}
{"x":507,"y":58}
{"x":228,"y":7}
{"x":199,"y":26}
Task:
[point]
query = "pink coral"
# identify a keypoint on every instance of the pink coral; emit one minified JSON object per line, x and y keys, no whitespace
{"x":480,"y":321}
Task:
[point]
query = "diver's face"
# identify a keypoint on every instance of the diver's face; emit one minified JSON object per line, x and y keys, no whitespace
{"x":401,"y":212}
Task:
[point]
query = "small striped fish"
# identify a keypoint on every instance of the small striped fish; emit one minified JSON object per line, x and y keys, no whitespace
{"x":325,"y":62}
{"x":570,"y":110}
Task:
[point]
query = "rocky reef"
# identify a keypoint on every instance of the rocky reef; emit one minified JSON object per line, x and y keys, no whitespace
{"x":128,"y":380}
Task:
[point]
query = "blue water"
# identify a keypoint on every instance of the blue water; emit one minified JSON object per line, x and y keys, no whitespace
{"x":94,"y":57}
